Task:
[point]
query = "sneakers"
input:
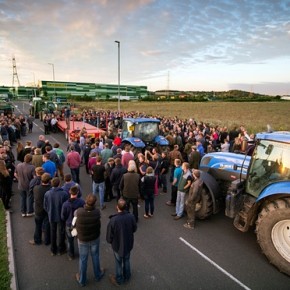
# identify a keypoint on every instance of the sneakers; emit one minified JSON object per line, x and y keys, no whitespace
{"x":177,"y":217}
{"x":23,"y":215}
{"x":113,"y":280}
{"x":169,"y":203}
{"x":30,"y":214}
{"x":150,"y":215}
{"x":146,"y":216}
{"x":188,"y":226}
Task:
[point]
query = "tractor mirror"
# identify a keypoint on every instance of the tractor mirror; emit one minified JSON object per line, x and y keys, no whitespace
{"x":269,"y":149}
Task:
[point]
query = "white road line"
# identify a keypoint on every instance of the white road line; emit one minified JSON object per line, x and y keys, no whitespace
{"x":214,"y":264}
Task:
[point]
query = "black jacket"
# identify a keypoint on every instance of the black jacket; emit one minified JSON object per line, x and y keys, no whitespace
{"x":88,"y":223}
{"x":117,"y":174}
{"x":120,"y":233}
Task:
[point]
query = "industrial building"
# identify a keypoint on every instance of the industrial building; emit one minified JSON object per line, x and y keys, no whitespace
{"x":97,"y":91}
{"x":74,"y":89}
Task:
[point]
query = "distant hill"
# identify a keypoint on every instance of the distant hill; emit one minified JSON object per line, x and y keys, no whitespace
{"x":204,"y":96}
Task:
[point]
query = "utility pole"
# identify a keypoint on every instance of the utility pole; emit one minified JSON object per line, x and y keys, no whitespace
{"x":118,"y":42}
{"x":15,"y":79}
{"x":53,"y":75}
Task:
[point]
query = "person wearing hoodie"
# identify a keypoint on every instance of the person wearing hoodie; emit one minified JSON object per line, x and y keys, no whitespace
{"x":67,"y":214}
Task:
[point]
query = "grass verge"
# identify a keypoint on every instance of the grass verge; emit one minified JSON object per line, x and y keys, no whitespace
{"x":5,"y":275}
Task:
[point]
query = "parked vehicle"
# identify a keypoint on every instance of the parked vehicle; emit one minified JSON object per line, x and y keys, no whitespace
{"x":255,"y":190}
{"x":6,"y":108}
{"x":40,"y":106}
{"x":142,"y":133}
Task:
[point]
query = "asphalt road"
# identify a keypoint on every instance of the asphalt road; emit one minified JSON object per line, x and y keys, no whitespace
{"x":165,"y":256}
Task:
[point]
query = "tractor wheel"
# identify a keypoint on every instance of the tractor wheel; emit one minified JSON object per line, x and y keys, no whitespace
{"x":204,"y":208}
{"x":273,"y":233}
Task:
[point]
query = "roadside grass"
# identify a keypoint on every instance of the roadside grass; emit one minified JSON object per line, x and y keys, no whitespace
{"x":5,"y":275}
{"x":254,"y":116}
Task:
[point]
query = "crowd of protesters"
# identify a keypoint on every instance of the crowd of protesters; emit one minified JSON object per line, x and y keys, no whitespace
{"x":118,"y":172}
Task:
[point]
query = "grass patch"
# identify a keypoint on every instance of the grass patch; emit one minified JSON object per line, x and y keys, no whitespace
{"x":255,"y":116}
{"x":5,"y":275}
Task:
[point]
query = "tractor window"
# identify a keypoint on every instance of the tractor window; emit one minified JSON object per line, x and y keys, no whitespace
{"x":146,"y":131}
{"x":270,"y":163}
{"x":127,"y":129}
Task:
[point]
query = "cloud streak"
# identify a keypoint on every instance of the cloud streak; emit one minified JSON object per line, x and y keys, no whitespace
{"x":187,"y":38}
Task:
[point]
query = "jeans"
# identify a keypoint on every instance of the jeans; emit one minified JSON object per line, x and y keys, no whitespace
{"x":123,"y":269}
{"x":149,"y":204}
{"x":42,"y":224}
{"x":57,"y":234}
{"x":75,"y":174}
{"x":99,"y":187}
{"x":70,"y":242}
{"x":24,"y":195}
{"x":85,"y":248}
{"x":180,"y":203}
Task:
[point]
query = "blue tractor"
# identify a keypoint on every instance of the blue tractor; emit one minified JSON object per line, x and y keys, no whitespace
{"x":142,"y":133}
{"x":255,"y":190}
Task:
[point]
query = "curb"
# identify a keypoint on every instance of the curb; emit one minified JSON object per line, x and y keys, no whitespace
{"x":11,"y":260}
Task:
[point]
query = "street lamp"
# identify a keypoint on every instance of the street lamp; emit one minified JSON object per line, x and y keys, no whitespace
{"x":53,"y":75}
{"x":118,"y":42}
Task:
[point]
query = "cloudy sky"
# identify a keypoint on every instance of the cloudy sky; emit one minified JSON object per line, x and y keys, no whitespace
{"x":176,"y":44}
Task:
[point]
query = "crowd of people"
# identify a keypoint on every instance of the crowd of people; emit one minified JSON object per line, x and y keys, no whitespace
{"x":60,"y":207}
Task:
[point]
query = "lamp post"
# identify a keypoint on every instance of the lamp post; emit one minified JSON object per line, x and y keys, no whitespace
{"x":53,"y":75}
{"x":118,"y":42}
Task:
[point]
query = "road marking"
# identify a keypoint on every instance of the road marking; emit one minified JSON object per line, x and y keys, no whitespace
{"x":214,"y":264}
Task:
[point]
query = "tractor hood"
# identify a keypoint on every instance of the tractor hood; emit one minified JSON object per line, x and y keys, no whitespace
{"x":225,"y":166}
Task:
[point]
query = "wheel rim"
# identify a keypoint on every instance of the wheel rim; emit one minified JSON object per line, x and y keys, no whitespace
{"x":281,"y":238}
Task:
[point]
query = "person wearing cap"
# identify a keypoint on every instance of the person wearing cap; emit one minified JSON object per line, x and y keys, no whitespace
{"x":194,"y":196}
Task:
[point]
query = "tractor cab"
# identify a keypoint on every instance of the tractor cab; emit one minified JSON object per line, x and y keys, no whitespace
{"x":142,"y":132}
{"x":270,"y":162}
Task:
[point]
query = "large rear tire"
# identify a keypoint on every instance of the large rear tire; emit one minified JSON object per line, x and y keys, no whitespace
{"x":273,"y":233}
{"x":204,"y":208}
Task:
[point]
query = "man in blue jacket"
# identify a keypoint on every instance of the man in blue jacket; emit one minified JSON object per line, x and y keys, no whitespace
{"x":120,"y":234}
{"x":67,"y":215}
{"x":53,"y":201}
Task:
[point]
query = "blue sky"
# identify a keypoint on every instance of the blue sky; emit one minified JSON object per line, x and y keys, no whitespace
{"x":176,"y":44}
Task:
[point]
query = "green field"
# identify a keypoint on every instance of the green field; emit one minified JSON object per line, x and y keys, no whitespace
{"x":255,"y":116}
{"x":5,"y":275}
